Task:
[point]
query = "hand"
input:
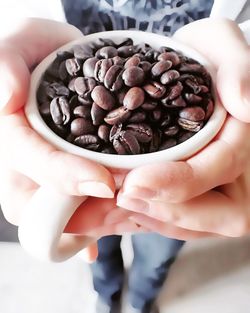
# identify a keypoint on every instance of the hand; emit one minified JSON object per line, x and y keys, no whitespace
{"x":26,"y":160}
{"x":208,"y":194}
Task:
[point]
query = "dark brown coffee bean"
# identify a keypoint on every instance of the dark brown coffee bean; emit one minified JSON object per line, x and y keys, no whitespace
{"x":190,"y":125}
{"x":204,"y":89}
{"x":82,"y":111}
{"x":149,"y":105}
{"x":169,"y":77}
{"x":193,"y":84}
{"x":154,"y":89}
{"x":97,"y":114}
{"x":88,"y":141}
{"x":101,"y":68}
{"x":155,"y":142}
{"x":176,"y":103}
{"x":124,"y":42}
{"x":145,"y":66}
{"x":62,"y":72}
{"x":175,"y":91}
{"x":101,"y":42}
{"x":118,"y":60}
{"x":108,"y":150}
{"x":56,"y":89}
{"x":121,"y":94}
{"x":137,"y":117}
{"x":44,"y":108}
{"x":166,"y":120}
{"x":171,"y":130}
{"x":84,"y":101}
{"x":60,"y":111}
{"x":113,"y":78}
{"x":170,"y":56}
{"x":192,"y":114}
{"x":142,"y":132}
{"x":133,"y":61}
{"x":192,"y":98}
{"x":185,"y":136}
{"x":71,"y":84}
{"x":151,"y":54}
{"x":106,"y":52}
{"x":126,"y":51}
{"x":117,"y":116}
{"x":103,"y":132}
{"x":126,"y":143}
{"x":74,"y":102}
{"x":169,"y":143}
{"x":115,"y":131}
{"x":191,"y":68}
{"x":73,"y":66}
{"x":134,"y":98}
{"x":103,"y":97}
{"x":84,"y":86}
{"x":155,"y":115}
{"x":82,"y":52}
{"x":81,"y":126}
{"x":161,"y":67}
{"x":133,"y":76}
{"x":89,"y":67}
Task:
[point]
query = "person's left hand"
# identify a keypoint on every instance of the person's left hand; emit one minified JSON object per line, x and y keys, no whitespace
{"x":208,"y":194}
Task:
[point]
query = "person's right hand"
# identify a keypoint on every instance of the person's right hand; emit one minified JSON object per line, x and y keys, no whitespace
{"x":27,"y":160}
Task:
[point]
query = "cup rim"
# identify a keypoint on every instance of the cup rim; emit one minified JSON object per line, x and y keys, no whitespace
{"x":179,"y":152}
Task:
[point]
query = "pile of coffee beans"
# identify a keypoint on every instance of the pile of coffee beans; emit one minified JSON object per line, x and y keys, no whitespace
{"x":122,"y":98}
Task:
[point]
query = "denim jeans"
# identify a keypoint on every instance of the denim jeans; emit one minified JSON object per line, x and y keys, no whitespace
{"x":153,"y":255}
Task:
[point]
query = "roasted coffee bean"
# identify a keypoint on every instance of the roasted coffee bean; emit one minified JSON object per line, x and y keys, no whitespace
{"x":170,"y":56}
{"x":191,"y":68}
{"x":195,"y":87}
{"x":154,"y":89}
{"x":73,"y":66}
{"x":145,"y":66}
{"x":117,"y":116}
{"x":74,"y":102}
{"x":103,"y":97}
{"x":62,"y":72}
{"x":124,"y":42}
{"x":71,"y":84}
{"x":169,"y":77}
{"x":155,"y":142}
{"x":134,"y":98}
{"x":52,"y":70}
{"x":126,"y":143}
{"x":115,"y":131}
{"x":190,"y":125}
{"x":133,"y":61}
{"x":149,"y":105}
{"x":101,"y":42}
{"x":88,"y":141}
{"x":64,"y":55}
{"x":84,"y":86}
{"x":84,"y":101}
{"x":142,"y":132}
{"x":101,"y":68}
{"x":60,"y":111}
{"x":137,"y":117}
{"x":81,"y":126}
{"x":155,"y":115}
{"x":169,"y":143}
{"x":118,"y":60}
{"x":195,"y":113}
{"x":113,"y":78}
{"x":82,"y":52}
{"x":103,"y":132}
{"x":185,"y":136}
{"x":44,"y":108}
{"x":60,"y":130}
{"x":106,"y":52}
{"x":161,"y":67}
{"x":166,"y":120}
{"x":82,"y":111}
{"x":97,"y":114}
{"x":126,"y":51}
{"x":192,"y":98}
{"x":121,"y":94}
{"x":151,"y":54}
{"x":56,"y":89}
{"x":133,"y":76}
{"x":176,"y":103}
{"x":171,"y":130}
{"x":89,"y":67}
{"x":108,"y":150}
{"x":175,"y":91}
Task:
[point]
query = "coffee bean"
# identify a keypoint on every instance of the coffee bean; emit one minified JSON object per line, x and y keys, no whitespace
{"x":126,"y":51}
{"x":103,"y":97}
{"x":166,"y":120}
{"x":118,"y":60}
{"x":192,"y":98}
{"x":62,"y":72}
{"x":176,"y":103}
{"x":113,"y":78}
{"x":145,"y":66}
{"x":56,"y":89}
{"x":191,"y":68}
{"x":175,"y":91}
{"x":64,"y":55}
{"x":108,"y":150}
{"x":133,"y":76}
{"x":90,"y":142}
{"x":124,"y":42}
{"x":161,"y":67}
{"x":84,"y":86}
{"x":103,"y":132}
{"x":193,"y":84}
{"x":193,"y":114}
{"x":185,"y":136}
{"x":137,"y":117}
{"x":134,"y":98}
{"x":149,"y":105}
{"x":171,"y":130}
{"x":84,"y":101}
{"x":117,"y":116}
{"x":155,"y":115}
{"x":142,"y":132}
{"x":154,"y":89}
{"x":71,"y":84}
{"x":101,"y":68}
{"x":73,"y":66}
{"x":132,"y":61}
{"x":89,"y":67}
{"x":44,"y":108}
{"x":106,"y":52}
{"x":81,"y":126}
{"x":121,"y":94}
{"x":82,"y":111}
{"x":170,"y":56}
{"x":115,"y":131}
{"x":97,"y":114}
{"x":190,"y":125}
{"x":155,"y":142}
{"x":169,"y":143}
{"x":126,"y":143}
{"x":82,"y":52}
{"x":60,"y":111}
{"x":169,"y":77}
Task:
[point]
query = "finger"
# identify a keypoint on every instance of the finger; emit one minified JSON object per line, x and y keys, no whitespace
{"x":212,"y":212}
{"x":169,"y":230}
{"x":41,"y":162}
{"x":89,"y":254}
{"x":27,"y":44}
{"x":224,"y":46}
{"x":219,"y":163}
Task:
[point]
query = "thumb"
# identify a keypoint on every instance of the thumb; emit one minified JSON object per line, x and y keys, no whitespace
{"x":223,"y":44}
{"x":26,"y":44}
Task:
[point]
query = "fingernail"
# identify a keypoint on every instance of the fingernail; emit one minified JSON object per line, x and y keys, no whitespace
{"x":136,"y":205}
{"x":5,"y":92}
{"x":139,"y":192}
{"x":95,"y":189}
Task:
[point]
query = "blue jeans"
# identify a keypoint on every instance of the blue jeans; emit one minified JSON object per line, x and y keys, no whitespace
{"x":153,"y":255}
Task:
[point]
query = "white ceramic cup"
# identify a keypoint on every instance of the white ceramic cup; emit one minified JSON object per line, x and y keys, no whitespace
{"x":45,"y":217}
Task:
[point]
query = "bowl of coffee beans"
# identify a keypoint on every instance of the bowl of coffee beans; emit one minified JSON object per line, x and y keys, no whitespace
{"x":125,"y":98}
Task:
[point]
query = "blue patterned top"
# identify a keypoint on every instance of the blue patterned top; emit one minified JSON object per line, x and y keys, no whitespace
{"x":158,"y":16}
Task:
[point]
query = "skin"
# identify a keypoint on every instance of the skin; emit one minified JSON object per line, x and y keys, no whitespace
{"x":206,"y":195}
